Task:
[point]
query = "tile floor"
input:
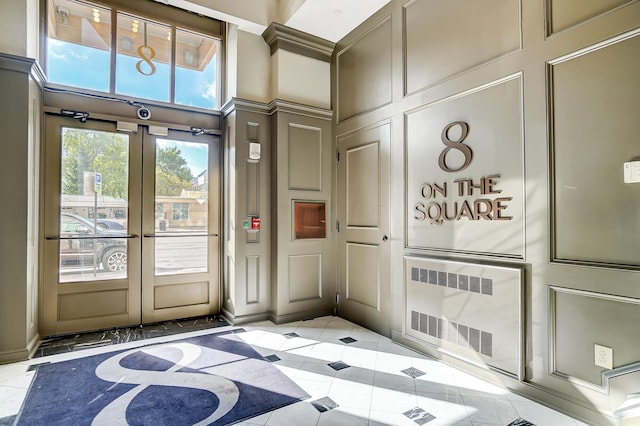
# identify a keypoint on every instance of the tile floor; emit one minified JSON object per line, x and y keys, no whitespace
{"x":354,"y":377}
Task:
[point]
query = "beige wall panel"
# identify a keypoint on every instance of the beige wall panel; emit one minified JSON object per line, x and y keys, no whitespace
{"x":444,"y":38}
{"x":253,"y":279}
{"x":305,"y":157}
{"x":487,"y":220}
{"x":595,"y":103}
{"x":184,"y":294}
{"x":362,"y":174}
{"x":301,"y":79}
{"x":305,"y":277}
{"x":567,"y":13}
{"x":90,"y":305}
{"x":363,"y":274}
{"x":583,"y":319}
{"x":364,"y":72}
{"x":472,"y":311}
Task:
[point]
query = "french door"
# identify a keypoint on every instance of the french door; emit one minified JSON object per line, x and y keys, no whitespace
{"x":131,"y":222}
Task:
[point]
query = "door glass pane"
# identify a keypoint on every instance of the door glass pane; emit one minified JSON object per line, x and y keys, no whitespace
{"x":79,"y":45}
{"x":196,"y":60}
{"x":181,"y":207}
{"x":143,"y":60}
{"x":93,"y":205}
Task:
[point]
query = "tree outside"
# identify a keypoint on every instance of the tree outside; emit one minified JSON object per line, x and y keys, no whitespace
{"x":108,"y":153}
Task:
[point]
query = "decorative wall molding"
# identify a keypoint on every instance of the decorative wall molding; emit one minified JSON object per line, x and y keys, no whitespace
{"x":24,"y":65}
{"x":282,"y":37}
{"x":606,"y":375}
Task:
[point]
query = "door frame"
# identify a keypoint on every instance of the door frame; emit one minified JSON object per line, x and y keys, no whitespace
{"x":49,"y":323}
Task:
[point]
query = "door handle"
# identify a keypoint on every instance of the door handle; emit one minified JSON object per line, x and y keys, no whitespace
{"x":385,"y":239}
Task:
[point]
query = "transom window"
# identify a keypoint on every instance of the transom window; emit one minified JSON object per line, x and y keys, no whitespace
{"x":96,"y":47}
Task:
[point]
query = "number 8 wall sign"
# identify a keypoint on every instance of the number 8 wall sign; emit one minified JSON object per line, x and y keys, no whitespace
{"x":465,"y":174}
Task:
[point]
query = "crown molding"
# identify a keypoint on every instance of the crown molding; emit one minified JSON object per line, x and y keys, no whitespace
{"x":275,"y":106}
{"x":24,"y":65}
{"x":279,"y":36}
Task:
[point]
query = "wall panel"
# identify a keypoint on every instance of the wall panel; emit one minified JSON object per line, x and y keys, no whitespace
{"x":445,"y":38}
{"x":364,"y":72}
{"x":564,"y":14}
{"x":596,"y":213}
{"x":478,"y":208}
{"x":305,"y":158}
{"x":575,"y":333}
{"x":305,"y":277}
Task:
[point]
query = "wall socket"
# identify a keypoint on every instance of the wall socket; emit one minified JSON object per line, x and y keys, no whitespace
{"x":603,"y":356}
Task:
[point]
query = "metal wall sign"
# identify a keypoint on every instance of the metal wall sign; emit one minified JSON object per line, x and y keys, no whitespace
{"x":465,"y":172}
{"x":435,"y":205}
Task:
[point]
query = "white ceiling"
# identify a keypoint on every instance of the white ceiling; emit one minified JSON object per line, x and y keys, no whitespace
{"x":328,"y":19}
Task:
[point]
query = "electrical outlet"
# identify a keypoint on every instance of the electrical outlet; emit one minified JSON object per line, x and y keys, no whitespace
{"x":603,"y":356}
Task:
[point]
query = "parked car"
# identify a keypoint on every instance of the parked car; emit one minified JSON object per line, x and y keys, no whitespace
{"x":104,"y":224}
{"x":80,"y":242}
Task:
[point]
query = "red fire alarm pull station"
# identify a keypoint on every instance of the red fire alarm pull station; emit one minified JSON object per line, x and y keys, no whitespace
{"x":251,"y":224}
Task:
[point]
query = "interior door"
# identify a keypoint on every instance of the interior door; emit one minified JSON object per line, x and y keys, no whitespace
{"x":180,"y":220}
{"x":363,"y":243}
{"x":91,"y":187}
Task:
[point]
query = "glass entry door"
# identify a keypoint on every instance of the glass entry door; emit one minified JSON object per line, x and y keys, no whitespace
{"x":127,"y":240}
{"x":180,"y":272}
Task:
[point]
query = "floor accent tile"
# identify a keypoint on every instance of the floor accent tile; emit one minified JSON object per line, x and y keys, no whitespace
{"x":419,"y":416}
{"x":338,"y":365}
{"x":348,"y":340}
{"x":324,"y":404}
{"x":413,"y":372}
{"x":291,"y":335}
{"x":272,"y":358}
{"x":520,"y":422}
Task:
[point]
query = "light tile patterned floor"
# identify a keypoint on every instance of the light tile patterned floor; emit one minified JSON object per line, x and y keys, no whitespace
{"x":382,"y":384}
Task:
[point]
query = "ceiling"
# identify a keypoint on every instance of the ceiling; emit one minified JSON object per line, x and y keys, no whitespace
{"x":328,"y":19}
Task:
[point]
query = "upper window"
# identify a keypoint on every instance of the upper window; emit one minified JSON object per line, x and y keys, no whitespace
{"x":94,"y":47}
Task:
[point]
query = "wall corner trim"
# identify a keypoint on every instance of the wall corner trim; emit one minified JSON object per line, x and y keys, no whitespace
{"x":279,"y":36}
{"x":24,"y":65}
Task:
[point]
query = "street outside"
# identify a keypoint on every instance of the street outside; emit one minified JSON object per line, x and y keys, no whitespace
{"x":173,"y":255}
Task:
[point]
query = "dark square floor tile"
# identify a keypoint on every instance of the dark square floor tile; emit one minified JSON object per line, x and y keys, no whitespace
{"x":239,"y":330}
{"x":419,"y":416}
{"x":520,"y":422}
{"x":291,"y":335}
{"x":338,"y":365}
{"x":272,"y":358}
{"x":413,"y":372}
{"x":324,"y":404}
{"x":348,"y":340}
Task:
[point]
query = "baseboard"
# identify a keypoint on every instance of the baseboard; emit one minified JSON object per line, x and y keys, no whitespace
{"x":243,"y":319}
{"x":8,"y":357}
{"x":300,"y":316}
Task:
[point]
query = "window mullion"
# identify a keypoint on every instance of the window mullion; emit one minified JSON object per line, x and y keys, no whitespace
{"x":114,"y":50}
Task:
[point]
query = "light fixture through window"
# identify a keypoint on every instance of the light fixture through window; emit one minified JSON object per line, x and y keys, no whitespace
{"x":96,"y":15}
{"x":134,"y":26}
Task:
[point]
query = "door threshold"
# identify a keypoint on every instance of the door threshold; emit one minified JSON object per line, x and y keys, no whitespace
{"x":113,"y":336}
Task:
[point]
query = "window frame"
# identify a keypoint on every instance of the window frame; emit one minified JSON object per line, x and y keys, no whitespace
{"x":176,"y":18}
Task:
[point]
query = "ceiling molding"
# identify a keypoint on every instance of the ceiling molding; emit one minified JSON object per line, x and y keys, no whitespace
{"x":279,"y":36}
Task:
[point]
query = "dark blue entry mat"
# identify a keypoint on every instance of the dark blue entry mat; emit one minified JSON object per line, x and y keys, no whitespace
{"x":214,"y":379}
